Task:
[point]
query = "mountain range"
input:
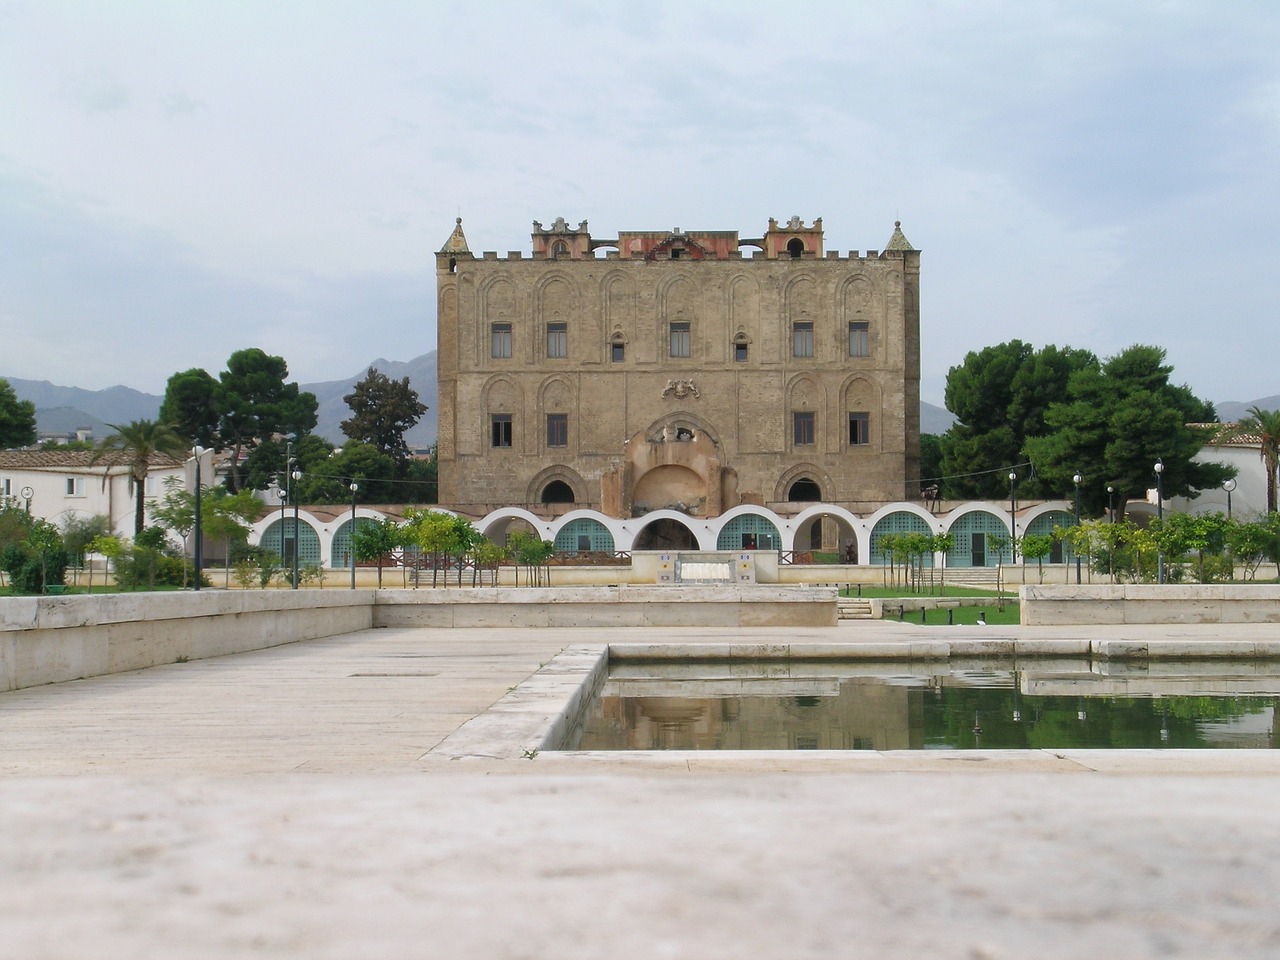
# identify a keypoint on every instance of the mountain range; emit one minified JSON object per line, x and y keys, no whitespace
{"x":64,"y":410}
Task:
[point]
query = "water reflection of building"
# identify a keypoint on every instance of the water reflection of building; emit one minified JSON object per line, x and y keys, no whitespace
{"x":865,"y":715}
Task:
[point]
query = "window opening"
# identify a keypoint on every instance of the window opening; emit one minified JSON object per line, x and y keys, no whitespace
{"x":859,"y":429}
{"x":859,"y":339}
{"x":501,"y":346}
{"x":803,"y":427}
{"x":795,"y":247}
{"x":740,"y":352}
{"x":501,"y":428}
{"x":557,"y":429}
{"x":557,"y":491}
{"x":804,"y":490}
{"x":617,"y":351}
{"x":680,"y":339}
{"x":802,"y":338}
{"x":557,"y":340}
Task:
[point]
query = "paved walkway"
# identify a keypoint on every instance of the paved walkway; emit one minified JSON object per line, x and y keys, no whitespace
{"x":284,"y":803}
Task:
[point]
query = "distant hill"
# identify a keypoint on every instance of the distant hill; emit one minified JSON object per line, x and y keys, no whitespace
{"x":1230,"y":410}
{"x":64,"y":410}
{"x":934,"y":419}
{"x":421,"y":372}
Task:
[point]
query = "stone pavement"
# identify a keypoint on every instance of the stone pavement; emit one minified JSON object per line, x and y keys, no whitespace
{"x":285,"y":803}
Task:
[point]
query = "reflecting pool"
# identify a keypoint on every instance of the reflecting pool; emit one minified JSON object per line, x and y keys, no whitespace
{"x":859,"y":706}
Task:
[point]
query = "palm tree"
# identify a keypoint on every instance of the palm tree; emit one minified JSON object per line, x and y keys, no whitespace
{"x":136,"y":445}
{"x":1261,"y":427}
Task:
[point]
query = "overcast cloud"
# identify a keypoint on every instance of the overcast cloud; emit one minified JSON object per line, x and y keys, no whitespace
{"x":181,"y":180}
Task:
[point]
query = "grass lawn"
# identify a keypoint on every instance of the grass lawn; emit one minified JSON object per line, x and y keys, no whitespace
{"x":1009,"y":616}
{"x":878,"y":592}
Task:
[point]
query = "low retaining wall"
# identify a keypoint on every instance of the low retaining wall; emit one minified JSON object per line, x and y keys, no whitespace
{"x":624,"y":605}
{"x":51,"y":639}
{"x":1133,"y":603}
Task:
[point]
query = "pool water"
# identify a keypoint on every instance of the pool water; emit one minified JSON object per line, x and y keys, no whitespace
{"x":692,"y":706}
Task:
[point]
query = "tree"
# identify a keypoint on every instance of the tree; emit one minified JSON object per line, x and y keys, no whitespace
{"x":79,"y":531}
{"x":328,"y":481}
{"x":1000,"y":395}
{"x":190,"y":407}
{"x":1264,"y":427}
{"x":254,"y":403}
{"x":269,"y":459}
{"x":137,"y":445}
{"x":375,"y":540}
{"x":382,"y":411}
{"x":227,"y":516}
{"x":1117,"y":419}
{"x":177,"y":512}
{"x":17,"y":418}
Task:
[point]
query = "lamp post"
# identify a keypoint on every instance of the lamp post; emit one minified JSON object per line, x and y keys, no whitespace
{"x":27,"y":495}
{"x":198,"y":558}
{"x":296,"y":475}
{"x":1111,"y":502}
{"x":1159,"y":516}
{"x":1076,"y":478}
{"x":352,"y":548}
{"x":1013,"y":509}
{"x":1228,"y":485}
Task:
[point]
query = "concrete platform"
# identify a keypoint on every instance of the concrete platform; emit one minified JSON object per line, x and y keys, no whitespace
{"x":287,"y":803}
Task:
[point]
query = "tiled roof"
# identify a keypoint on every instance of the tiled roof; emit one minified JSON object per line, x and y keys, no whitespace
{"x":72,"y":460}
{"x":899,"y":240}
{"x":1239,"y":440}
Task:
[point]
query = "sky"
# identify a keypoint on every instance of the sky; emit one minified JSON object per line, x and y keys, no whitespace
{"x":180,"y":180}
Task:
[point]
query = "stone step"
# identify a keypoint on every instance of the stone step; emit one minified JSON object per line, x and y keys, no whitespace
{"x":852,"y":608}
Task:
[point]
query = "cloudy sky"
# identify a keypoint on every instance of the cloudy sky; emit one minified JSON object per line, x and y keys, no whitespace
{"x":179,"y":180}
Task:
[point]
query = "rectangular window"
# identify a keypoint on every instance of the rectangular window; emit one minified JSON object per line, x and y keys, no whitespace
{"x":557,"y":340}
{"x":680,"y":339}
{"x":501,"y":427}
{"x":802,"y":339}
{"x":740,"y":352}
{"x":584,"y":543}
{"x":557,"y":429}
{"x":617,"y":352}
{"x":859,"y":429}
{"x":501,"y":348}
{"x":803,"y":422}
{"x":859,"y":338}
{"x":75,"y":486}
{"x":6,"y":487}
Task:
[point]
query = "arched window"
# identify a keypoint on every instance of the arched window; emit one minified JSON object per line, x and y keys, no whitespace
{"x":559,"y":249}
{"x":804,"y":490}
{"x":795,"y":247}
{"x":557,"y":491}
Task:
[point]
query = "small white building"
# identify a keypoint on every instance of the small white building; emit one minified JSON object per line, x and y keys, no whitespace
{"x":1248,"y":495}
{"x":55,"y":485}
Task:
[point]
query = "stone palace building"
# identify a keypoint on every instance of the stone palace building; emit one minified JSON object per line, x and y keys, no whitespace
{"x":668,"y":371}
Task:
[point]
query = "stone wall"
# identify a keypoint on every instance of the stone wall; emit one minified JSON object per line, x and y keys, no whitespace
{"x":51,"y":639}
{"x":1134,"y":603}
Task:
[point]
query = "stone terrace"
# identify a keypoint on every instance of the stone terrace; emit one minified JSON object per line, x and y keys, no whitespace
{"x":287,"y":803}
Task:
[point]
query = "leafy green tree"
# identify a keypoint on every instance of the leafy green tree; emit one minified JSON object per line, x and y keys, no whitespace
{"x":1037,"y":546}
{"x":138,"y":445}
{"x":15,"y":522}
{"x":190,"y":407}
{"x":532,"y":553}
{"x":78,"y":532}
{"x":1000,"y":395}
{"x":376,"y":540}
{"x":432,"y":532}
{"x":1262,"y":426}
{"x":1117,"y":419}
{"x":328,"y":481}
{"x":268,"y":461}
{"x":17,"y":418}
{"x":107,"y":545}
{"x":227,"y":517}
{"x":37,"y":562}
{"x":382,"y":411}
{"x":254,"y":403}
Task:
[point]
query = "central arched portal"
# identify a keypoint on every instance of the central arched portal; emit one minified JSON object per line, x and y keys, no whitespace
{"x":670,"y":485}
{"x":666,"y":533}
